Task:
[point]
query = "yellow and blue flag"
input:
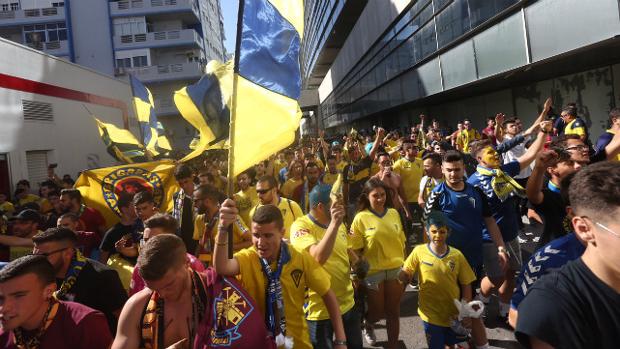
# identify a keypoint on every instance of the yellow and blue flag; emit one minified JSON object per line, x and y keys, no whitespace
{"x":206,"y":106}
{"x":153,"y":135}
{"x":267,"y":113}
{"x":102,"y":188}
{"x":121,"y":144}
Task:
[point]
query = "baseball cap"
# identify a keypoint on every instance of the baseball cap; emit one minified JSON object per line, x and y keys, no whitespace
{"x":319,"y":194}
{"x":27,"y":215}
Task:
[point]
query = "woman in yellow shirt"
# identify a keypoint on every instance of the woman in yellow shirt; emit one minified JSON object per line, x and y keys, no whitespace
{"x":378,"y":237}
{"x":295,"y":178}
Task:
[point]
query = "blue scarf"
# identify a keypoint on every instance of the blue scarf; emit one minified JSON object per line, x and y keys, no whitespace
{"x":274,"y":316}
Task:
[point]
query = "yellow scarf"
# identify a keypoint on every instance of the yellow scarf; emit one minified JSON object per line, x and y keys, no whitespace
{"x":500,"y":183}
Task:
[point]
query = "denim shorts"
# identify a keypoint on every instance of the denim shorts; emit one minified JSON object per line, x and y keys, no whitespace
{"x":373,"y":281}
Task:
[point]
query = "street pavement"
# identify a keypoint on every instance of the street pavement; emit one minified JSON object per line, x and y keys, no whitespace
{"x":500,"y":334}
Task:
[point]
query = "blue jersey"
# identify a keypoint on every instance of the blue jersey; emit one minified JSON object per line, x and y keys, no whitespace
{"x":465,"y":211}
{"x":545,"y":260}
{"x":504,"y":212}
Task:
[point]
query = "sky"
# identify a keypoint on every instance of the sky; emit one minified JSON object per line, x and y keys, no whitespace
{"x":229,"y":12}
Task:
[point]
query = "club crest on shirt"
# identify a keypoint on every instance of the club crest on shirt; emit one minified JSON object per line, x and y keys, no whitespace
{"x":451,"y":265}
{"x":301,"y":232}
{"x":283,"y":212}
{"x":230,"y":308}
{"x":296,"y":275}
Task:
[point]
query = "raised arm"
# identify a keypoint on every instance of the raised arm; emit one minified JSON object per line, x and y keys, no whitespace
{"x":224,"y":265}
{"x":323,"y":249}
{"x":534,"y":186}
{"x":526,"y":159}
{"x":499,"y":120}
{"x":375,"y":145}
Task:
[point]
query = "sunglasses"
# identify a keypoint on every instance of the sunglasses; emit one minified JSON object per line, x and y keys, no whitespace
{"x":263,"y":191}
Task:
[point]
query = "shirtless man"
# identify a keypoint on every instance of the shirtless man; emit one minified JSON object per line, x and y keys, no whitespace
{"x":394,"y":182}
{"x":164,"y":266}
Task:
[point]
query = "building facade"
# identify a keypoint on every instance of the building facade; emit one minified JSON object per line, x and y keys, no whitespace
{"x":45,"y":106}
{"x":164,"y":43}
{"x":453,"y":59}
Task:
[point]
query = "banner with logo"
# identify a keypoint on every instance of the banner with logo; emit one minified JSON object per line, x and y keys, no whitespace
{"x":102,"y":187}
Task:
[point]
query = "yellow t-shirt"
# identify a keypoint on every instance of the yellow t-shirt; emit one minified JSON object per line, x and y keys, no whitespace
{"x":440,"y":278}
{"x":307,"y":232}
{"x":381,"y":238}
{"x":411,"y":173}
{"x":340,"y":166}
{"x":290,"y":212}
{"x":245,"y":200}
{"x":466,"y":137}
{"x":289,"y":186}
{"x":300,"y":272}
{"x":240,"y":233}
{"x":374,"y":169}
{"x":330,"y":178}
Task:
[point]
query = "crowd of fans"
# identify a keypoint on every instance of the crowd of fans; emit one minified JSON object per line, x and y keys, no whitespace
{"x":326,"y":236}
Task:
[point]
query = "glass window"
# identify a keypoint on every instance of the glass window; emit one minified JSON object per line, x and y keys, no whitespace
{"x":5,"y":7}
{"x":452,"y":22}
{"x":438,"y":4}
{"x":481,"y":10}
{"x":139,"y":61}
{"x":123,"y":63}
{"x":14,"y":6}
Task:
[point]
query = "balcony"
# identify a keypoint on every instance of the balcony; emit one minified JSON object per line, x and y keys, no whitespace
{"x":168,"y":72}
{"x":56,"y":48}
{"x":185,"y":37}
{"x":32,"y":16}
{"x":125,"y":8}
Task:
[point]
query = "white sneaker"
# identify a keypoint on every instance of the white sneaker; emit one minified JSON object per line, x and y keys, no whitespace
{"x":369,"y":335}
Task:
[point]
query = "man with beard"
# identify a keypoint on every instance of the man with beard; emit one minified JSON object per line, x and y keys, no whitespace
{"x":81,"y":279}
{"x":90,"y":218}
{"x":207,"y":204}
{"x":25,"y":226}
{"x":31,"y":317}
{"x":267,"y":191}
{"x":300,"y":194}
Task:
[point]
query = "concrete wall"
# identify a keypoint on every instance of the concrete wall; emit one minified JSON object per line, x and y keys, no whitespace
{"x":592,"y":90}
{"x":71,"y":138}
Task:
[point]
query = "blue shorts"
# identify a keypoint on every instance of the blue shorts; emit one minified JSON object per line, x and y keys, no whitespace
{"x":437,"y":337}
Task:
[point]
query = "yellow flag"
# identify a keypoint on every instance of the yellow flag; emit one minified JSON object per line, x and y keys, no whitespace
{"x":101,"y":188}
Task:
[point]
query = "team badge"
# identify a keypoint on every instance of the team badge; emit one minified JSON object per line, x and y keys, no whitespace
{"x":296,"y":275}
{"x":130,"y":181}
{"x":451,"y":265}
{"x":230,"y":309}
{"x":301,"y":232}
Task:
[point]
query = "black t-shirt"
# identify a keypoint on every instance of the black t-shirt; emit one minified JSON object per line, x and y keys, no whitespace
{"x":100,"y":288}
{"x":553,"y":211}
{"x":116,"y":233}
{"x":570,"y":308}
{"x":355,"y":174}
{"x":186,"y":230}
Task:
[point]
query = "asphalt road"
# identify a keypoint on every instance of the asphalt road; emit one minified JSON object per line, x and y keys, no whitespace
{"x":500,"y":334}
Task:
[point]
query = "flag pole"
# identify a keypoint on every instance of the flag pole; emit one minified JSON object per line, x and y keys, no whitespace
{"x":233,"y":116}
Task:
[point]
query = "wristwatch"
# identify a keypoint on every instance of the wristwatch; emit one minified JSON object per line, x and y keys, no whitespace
{"x":339,"y":342}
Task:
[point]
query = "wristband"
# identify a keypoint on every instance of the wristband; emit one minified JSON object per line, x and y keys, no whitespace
{"x":339,"y":342}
